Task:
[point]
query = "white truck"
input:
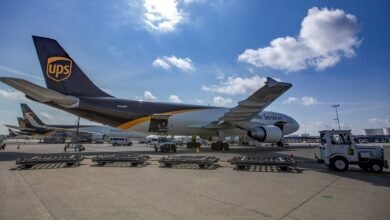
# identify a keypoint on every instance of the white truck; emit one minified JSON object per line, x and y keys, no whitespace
{"x":165,"y":145}
{"x":338,"y":150}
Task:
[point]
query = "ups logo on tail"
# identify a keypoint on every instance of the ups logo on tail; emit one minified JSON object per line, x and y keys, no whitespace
{"x":58,"y":68}
{"x":22,"y":124}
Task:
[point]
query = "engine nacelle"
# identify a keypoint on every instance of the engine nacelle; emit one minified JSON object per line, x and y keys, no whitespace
{"x":268,"y":133}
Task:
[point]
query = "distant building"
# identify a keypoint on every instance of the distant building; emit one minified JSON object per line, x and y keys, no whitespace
{"x":373,"y":131}
{"x":386,"y":131}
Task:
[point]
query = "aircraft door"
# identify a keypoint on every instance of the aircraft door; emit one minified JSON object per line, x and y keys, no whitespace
{"x":159,"y":123}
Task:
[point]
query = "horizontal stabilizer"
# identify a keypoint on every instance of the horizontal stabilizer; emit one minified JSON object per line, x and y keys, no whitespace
{"x":40,"y":93}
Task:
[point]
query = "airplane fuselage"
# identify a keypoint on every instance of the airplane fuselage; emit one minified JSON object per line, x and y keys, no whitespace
{"x":182,"y":119}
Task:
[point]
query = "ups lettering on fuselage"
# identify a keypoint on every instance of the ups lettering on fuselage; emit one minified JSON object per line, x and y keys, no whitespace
{"x":59,"y":68}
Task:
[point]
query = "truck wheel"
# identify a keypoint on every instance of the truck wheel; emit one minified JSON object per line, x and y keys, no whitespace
{"x":376,"y":167}
{"x":339,"y":164}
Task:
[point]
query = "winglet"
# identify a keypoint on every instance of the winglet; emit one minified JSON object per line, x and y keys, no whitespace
{"x":271,"y":82}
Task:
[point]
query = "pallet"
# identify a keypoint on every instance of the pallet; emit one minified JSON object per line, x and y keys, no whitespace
{"x":112,"y":157}
{"x":35,"y":159}
{"x":244,"y":162}
{"x":201,"y":161}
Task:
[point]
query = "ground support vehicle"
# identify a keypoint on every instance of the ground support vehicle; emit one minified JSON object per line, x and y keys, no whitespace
{"x":120,"y":141}
{"x":165,"y":145}
{"x":338,"y":150}
{"x":35,"y":159}
{"x":245,"y":162}
{"x":201,"y":161}
{"x":134,"y":159}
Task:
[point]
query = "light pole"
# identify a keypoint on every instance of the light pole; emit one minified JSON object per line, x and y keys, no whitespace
{"x":337,"y":115}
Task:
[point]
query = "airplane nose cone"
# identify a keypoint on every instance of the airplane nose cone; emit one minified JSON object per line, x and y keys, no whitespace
{"x":295,"y":126}
{"x":292,"y":127}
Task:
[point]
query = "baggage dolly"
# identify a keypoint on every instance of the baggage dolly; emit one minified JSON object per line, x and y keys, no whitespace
{"x":134,"y":159}
{"x":244,"y":162}
{"x":201,"y":161}
{"x":35,"y":159}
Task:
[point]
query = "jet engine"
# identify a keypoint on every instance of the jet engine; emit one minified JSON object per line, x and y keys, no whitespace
{"x":268,"y":133}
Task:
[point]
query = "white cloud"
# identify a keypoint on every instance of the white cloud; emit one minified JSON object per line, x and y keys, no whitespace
{"x":162,"y":15}
{"x":12,"y":95}
{"x":161,"y":63}
{"x":305,"y":100}
{"x":326,"y":36}
{"x":149,"y":96}
{"x":175,"y":99}
{"x":220,"y":101}
{"x":380,"y":122}
{"x":309,"y":101}
{"x":184,"y":64}
{"x":46,"y":115}
{"x":237,"y":85}
{"x":292,"y":100}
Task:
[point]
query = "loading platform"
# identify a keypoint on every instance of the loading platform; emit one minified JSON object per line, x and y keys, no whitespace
{"x":34,"y":159}
{"x":201,"y":161}
{"x":245,"y":162}
{"x":113,"y":157}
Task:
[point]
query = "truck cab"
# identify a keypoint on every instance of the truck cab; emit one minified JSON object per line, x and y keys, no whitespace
{"x":165,"y":145}
{"x":338,"y":150}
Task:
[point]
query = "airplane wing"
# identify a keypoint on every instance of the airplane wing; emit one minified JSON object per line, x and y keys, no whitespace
{"x":254,"y":104}
{"x":39,"y":93}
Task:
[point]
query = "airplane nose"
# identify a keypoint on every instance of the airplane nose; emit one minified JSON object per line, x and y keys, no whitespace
{"x":295,"y":126}
{"x":292,"y":127}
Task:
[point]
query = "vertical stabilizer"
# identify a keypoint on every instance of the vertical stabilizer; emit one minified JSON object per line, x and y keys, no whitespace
{"x":27,"y":110}
{"x":61,"y":73}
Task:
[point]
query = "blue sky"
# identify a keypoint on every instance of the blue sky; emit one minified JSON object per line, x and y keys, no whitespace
{"x":212,"y":52}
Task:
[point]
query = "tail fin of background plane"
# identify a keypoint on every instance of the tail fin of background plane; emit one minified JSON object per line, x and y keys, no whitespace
{"x":61,"y":73}
{"x":27,"y":110}
{"x":24,"y":123}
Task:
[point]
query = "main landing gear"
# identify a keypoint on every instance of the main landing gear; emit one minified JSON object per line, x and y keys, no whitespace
{"x":219,"y":146}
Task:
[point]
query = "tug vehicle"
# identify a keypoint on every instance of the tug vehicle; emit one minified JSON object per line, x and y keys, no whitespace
{"x":338,"y":150}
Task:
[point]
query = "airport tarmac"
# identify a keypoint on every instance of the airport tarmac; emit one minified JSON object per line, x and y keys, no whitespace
{"x":119,"y":191}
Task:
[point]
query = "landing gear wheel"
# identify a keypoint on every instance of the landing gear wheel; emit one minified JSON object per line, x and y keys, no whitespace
{"x":376,"y":167}
{"x":225,"y":146}
{"x":213,"y":146}
{"x":219,"y":146}
{"x":339,"y":164}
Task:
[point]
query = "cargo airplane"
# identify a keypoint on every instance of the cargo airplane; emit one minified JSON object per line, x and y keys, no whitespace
{"x":26,"y":128}
{"x":69,"y":89}
{"x":31,"y":124}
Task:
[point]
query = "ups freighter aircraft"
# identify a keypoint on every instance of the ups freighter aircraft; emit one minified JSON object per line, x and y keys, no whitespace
{"x":69,"y":89}
{"x":31,"y":124}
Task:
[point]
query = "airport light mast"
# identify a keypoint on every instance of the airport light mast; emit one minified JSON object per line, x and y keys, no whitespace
{"x":337,"y":115}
